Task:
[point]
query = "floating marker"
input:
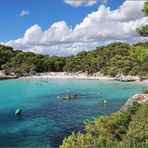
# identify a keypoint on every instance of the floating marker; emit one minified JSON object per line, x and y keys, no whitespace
{"x":18,"y":111}
{"x":105,"y":101}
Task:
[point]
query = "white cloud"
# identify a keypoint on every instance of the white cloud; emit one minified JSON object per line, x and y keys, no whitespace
{"x":128,"y":11}
{"x":24,"y":13}
{"x":85,"y":3}
{"x":77,"y":3}
{"x":104,"y":25}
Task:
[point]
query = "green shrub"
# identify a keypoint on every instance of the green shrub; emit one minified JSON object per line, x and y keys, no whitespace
{"x":122,"y":129}
{"x":145,"y":91}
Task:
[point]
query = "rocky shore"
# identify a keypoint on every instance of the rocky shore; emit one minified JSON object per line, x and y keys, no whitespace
{"x":139,"y":98}
{"x":128,"y":78}
{"x":7,"y":77}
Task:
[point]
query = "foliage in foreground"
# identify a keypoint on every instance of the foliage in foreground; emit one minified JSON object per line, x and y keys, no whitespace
{"x":121,"y":129}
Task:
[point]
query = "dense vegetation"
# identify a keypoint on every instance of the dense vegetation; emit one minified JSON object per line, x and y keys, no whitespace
{"x":109,"y":60}
{"x":121,"y":129}
{"x":24,"y":62}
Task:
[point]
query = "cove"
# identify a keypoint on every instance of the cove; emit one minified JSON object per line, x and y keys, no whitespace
{"x":46,"y":120}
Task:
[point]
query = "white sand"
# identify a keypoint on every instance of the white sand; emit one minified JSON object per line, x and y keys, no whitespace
{"x":67,"y":75}
{"x":70,"y":75}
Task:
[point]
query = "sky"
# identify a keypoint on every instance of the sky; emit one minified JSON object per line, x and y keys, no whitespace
{"x":65,"y":27}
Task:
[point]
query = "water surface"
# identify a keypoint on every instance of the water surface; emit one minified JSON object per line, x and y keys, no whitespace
{"x":45,"y":119}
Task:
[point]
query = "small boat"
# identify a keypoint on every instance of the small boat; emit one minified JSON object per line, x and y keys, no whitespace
{"x":69,"y":97}
{"x":18,"y":111}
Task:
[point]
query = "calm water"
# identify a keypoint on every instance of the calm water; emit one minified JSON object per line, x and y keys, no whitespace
{"x":45,"y":119}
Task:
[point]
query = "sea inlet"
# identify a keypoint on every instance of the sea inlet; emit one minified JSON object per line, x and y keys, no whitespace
{"x":45,"y":119}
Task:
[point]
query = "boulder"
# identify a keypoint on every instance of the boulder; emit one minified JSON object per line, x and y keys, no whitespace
{"x":128,"y":78}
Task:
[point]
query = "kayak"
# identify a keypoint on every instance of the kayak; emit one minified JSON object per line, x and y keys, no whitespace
{"x":69,"y":97}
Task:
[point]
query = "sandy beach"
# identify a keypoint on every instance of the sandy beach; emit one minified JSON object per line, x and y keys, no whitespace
{"x":76,"y":76}
{"x":68,"y":75}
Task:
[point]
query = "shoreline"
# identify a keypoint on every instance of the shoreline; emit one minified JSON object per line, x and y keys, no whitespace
{"x":66,"y":75}
{"x":76,"y":76}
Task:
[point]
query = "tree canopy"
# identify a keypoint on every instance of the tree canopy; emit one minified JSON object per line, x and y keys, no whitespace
{"x":109,"y":60}
{"x":143,"y":30}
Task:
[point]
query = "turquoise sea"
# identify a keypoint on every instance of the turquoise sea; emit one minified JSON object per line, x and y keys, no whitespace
{"x":46,"y":120}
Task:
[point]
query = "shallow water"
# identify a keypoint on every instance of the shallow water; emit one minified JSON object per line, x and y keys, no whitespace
{"x":46,"y":120}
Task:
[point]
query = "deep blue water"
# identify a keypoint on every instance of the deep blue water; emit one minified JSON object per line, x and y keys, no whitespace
{"x":46,"y":120}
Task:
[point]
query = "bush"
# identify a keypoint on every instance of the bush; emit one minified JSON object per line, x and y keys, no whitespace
{"x":122,"y":129}
{"x":145,"y":91}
